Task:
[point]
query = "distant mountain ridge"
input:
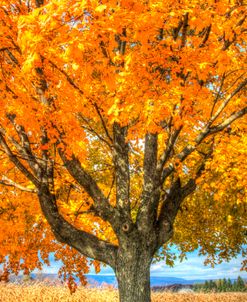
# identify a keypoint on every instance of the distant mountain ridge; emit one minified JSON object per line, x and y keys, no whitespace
{"x":155,"y":280}
{"x":99,"y":280}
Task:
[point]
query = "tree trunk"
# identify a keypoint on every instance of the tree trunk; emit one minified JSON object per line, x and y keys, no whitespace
{"x":133,"y":275}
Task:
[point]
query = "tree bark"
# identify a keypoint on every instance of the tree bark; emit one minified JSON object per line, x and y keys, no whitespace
{"x":133,"y":273}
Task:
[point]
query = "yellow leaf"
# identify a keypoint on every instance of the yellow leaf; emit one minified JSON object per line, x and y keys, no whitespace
{"x":100,"y":8}
{"x":75,"y":66}
{"x":229,"y":218}
{"x":203,"y":65}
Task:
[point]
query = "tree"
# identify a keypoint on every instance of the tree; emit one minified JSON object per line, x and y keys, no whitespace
{"x":219,"y":285}
{"x":229,"y":285}
{"x":207,"y":286}
{"x":240,"y":284}
{"x":212,"y":285}
{"x":224,"y":285}
{"x":122,"y":131}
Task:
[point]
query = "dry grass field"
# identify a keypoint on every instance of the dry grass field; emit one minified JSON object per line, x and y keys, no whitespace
{"x":43,"y":293}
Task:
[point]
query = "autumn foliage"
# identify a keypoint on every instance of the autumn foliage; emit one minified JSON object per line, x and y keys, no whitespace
{"x":121,"y":117}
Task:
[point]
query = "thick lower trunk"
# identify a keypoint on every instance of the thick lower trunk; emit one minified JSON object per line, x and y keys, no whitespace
{"x":133,"y":275}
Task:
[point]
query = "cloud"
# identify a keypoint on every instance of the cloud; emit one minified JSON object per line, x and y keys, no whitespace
{"x":193,"y":268}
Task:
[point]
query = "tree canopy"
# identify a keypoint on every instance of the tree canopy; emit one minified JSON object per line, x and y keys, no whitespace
{"x":119,"y":117}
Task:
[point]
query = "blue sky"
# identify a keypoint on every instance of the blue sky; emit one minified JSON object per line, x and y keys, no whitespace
{"x":190,"y":269}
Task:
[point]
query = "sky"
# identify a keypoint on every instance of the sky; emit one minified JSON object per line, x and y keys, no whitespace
{"x":190,"y":269}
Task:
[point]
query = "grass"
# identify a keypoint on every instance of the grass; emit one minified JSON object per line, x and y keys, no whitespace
{"x":39,"y":292}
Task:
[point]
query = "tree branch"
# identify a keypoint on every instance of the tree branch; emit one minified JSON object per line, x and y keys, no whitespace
{"x":227,"y":100}
{"x":184,"y":30}
{"x":190,"y":186}
{"x":168,"y":212}
{"x":39,"y":3}
{"x":170,"y":144}
{"x":176,"y":30}
{"x":102,"y":205}
{"x":87,"y":244}
{"x":25,"y":148}
{"x":174,"y":199}
{"x":68,"y":78}
{"x":206,"y":36}
{"x":73,"y":84}
{"x":12,"y":57}
{"x":218,"y":94}
{"x":151,"y":188}
{"x":207,"y":130}
{"x":121,"y":163}
{"x":17,"y":163}
{"x":103,"y":122}
{"x":8,"y":182}
{"x":228,"y":121}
